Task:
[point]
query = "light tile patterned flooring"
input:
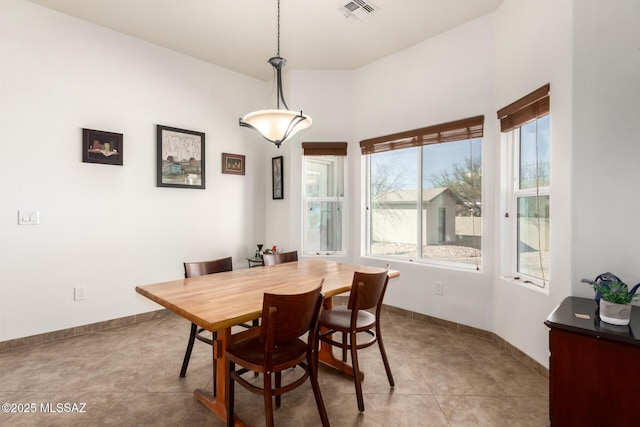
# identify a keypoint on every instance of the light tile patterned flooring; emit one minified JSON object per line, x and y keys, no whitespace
{"x":128,"y":376}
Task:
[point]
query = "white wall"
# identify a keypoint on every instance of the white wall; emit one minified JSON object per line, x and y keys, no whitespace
{"x":106,"y":227}
{"x":606,"y":60}
{"x":533,"y":47}
{"x":446,"y":78}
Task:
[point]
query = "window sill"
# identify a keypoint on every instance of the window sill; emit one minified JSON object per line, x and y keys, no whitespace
{"x":527,"y":284}
{"x":429,"y":263}
{"x":324,"y":254}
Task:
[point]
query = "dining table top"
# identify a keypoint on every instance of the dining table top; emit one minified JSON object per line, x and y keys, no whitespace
{"x":222,"y":300}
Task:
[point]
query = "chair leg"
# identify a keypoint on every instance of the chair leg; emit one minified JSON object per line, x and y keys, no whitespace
{"x":313,"y":377}
{"x":357,"y":378}
{"x":268,"y":399}
{"x":187,"y":355}
{"x":278,"y":385}
{"x":254,"y":323}
{"x":344,"y":347}
{"x":230,"y":367}
{"x":383,"y":353}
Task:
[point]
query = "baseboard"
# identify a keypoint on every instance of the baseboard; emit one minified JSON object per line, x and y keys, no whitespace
{"x":122,"y":321}
{"x":82,"y":330}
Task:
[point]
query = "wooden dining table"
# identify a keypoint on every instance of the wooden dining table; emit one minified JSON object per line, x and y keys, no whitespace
{"x":217,"y":302}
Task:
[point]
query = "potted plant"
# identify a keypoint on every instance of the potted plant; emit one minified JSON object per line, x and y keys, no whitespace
{"x":273,"y":250}
{"x":614,"y":298}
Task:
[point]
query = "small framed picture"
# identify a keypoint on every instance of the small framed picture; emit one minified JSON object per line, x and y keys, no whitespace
{"x":277,"y":178}
{"x":103,"y":147}
{"x":233,"y":164}
{"x":180,"y":158}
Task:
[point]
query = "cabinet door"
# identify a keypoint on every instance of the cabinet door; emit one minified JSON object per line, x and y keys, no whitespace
{"x":592,"y":381}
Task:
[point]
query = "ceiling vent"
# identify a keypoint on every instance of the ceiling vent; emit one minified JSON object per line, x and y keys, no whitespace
{"x":358,"y":9}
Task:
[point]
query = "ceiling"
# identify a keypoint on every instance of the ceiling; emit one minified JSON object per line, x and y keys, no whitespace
{"x":241,"y":34}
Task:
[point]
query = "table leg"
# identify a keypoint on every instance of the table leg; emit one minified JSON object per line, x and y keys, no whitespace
{"x":218,"y":403}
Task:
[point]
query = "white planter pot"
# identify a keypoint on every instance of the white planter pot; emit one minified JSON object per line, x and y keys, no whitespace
{"x":615,"y":314}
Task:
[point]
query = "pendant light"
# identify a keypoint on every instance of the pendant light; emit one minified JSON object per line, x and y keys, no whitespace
{"x":277,"y":125}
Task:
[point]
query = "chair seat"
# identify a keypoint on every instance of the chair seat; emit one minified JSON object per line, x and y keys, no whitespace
{"x":339,"y":318}
{"x":252,"y":351}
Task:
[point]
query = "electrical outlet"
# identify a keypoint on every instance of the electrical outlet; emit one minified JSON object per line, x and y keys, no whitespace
{"x":28,"y":217}
{"x":439,"y":288}
{"x":79,"y":293}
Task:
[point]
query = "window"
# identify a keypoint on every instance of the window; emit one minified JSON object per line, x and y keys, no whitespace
{"x":526,"y":126}
{"x":323,"y":197}
{"x":425,"y":193}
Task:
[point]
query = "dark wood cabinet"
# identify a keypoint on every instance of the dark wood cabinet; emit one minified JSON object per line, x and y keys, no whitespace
{"x":594,"y":367}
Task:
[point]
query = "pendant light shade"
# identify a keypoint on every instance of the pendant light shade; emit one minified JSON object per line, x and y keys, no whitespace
{"x":277,"y":125}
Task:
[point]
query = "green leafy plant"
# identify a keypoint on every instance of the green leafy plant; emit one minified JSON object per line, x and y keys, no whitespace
{"x":617,"y":293}
{"x":609,"y":288}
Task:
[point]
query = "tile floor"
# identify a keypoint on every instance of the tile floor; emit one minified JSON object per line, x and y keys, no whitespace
{"x":128,"y":376}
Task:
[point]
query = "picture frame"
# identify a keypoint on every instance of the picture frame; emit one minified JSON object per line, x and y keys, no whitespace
{"x":102,"y":147}
{"x":180,"y":158}
{"x":277,"y":177}
{"x":233,"y":164}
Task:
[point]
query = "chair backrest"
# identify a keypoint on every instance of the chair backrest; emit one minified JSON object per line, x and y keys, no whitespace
{"x":273,"y":259}
{"x":287,"y":317}
{"x":201,"y":268}
{"x":367,"y":290}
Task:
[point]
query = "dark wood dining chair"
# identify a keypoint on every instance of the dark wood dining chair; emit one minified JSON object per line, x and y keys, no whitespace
{"x":367,"y":292}
{"x":195,"y":269}
{"x":273,"y":259}
{"x":285,"y":319}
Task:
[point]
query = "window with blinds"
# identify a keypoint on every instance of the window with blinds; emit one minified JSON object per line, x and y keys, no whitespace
{"x":447,"y":132}
{"x":323,"y":216}
{"x":425,"y":193}
{"x":526,"y":126}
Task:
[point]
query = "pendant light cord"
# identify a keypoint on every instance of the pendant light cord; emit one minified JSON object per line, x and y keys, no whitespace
{"x":278,"y":54}
{"x":473,"y":219}
{"x":538,"y":213}
{"x":274,"y":88}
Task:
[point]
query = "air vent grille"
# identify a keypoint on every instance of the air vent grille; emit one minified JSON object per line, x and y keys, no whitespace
{"x":358,"y":9}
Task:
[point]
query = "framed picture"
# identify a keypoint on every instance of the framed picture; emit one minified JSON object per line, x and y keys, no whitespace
{"x":103,"y":147}
{"x":233,"y":163}
{"x":180,"y":158}
{"x":276,"y":178}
